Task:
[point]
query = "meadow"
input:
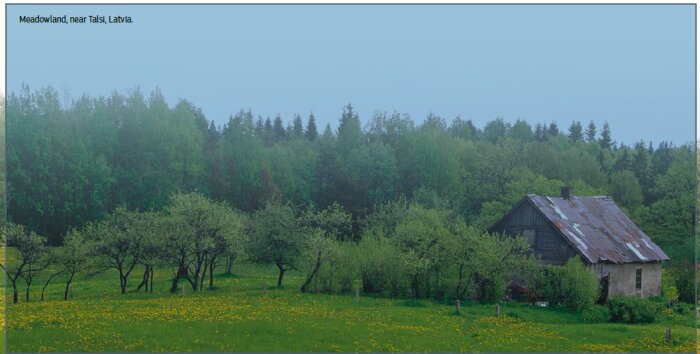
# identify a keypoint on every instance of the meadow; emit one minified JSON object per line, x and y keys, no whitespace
{"x":245,"y":313}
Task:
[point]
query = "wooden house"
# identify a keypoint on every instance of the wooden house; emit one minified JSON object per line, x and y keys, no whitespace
{"x":624,"y":258}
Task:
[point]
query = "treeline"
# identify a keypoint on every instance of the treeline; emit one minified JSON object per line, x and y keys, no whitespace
{"x":73,"y":163}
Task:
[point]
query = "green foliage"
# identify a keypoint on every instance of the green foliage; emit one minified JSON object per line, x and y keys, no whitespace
{"x":68,"y":166}
{"x":496,"y":130}
{"x":422,"y":240}
{"x":595,"y":314}
{"x":276,"y":237}
{"x":573,"y":285}
{"x":629,"y":309}
{"x":683,"y":274}
{"x":576,"y":131}
{"x":486,"y":262}
{"x":625,"y":189}
{"x":379,"y":265}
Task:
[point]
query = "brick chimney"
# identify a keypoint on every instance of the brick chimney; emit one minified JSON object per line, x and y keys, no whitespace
{"x":567,"y":192}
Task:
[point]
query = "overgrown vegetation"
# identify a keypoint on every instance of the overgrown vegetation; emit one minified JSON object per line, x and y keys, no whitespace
{"x":395,"y":208}
{"x":630,"y":309}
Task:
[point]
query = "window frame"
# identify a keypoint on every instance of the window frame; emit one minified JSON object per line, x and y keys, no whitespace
{"x":638,"y":280}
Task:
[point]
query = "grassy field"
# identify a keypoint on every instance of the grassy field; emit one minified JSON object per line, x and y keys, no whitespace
{"x":239,"y":316}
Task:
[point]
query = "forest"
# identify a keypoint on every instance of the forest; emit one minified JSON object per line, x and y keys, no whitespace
{"x":336,"y":204}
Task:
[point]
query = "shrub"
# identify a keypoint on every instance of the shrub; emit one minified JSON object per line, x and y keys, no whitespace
{"x":629,"y":309}
{"x":338,"y":273}
{"x":580,"y":284}
{"x":573,"y":285}
{"x":379,"y":266}
{"x":683,"y":275}
{"x":595,"y":314}
{"x":491,"y":290}
{"x":659,"y":299}
{"x":682,"y":308}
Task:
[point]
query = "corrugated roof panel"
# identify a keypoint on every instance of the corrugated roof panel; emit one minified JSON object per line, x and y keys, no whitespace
{"x":598,"y":229}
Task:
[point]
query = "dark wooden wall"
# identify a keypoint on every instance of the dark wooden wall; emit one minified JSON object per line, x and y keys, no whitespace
{"x":547,"y":244}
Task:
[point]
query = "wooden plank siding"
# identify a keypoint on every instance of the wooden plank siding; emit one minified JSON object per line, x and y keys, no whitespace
{"x":547,"y":244}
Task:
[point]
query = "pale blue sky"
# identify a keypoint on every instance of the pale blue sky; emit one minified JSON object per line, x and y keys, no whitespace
{"x":632,"y":65}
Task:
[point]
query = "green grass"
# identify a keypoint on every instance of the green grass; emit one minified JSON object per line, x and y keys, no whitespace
{"x":238,"y":317}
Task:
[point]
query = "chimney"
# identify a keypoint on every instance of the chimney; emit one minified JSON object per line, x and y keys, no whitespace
{"x":566,"y":192}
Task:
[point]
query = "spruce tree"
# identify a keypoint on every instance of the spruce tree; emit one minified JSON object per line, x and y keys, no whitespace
{"x":576,"y":131}
{"x":311,"y":132}
{"x":278,"y":129}
{"x":591,"y":132}
{"x":298,"y":128}
{"x":605,"y":140}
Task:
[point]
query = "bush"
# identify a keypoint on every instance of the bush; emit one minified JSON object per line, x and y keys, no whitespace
{"x":682,"y":308}
{"x":595,"y":314}
{"x":629,"y":309}
{"x":338,"y":273}
{"x":683,"y":274}
{"x":659,"y":299}
{"x":379,"y":266}
{"x":573,"y":285}
{"x":491,"y":290}
{"x":580,"y":284}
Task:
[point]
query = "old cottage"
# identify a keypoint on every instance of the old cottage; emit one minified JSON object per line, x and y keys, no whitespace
{"x":625,"y":259}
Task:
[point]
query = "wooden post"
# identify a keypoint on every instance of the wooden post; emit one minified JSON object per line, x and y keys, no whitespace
{"x":667,"y":337}
{"x":498,"y":310}
{"x":458,"y":306}
{"x":357,"y":294}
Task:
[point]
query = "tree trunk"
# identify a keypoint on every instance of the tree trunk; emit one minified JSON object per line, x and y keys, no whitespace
{"x":144,"y":281}
{"x":70,"y":280}
{"x":26,"y":294}
{"x":229,"y":264}
{"x":122,"y":281}
{"x":181,"y":272}
{"x":14,"y":294}
{"x":47,"y":284}
{"x":281,"y":275}
{"x":414,"y":286}
{"x":151,"y":279}
{"x":195,"y":284}
{"x":204,"y":276}
{"x":212,"y":266}
{"x":458,"y":293}
{"x":311,"y":276}
{"x":173,"y":288}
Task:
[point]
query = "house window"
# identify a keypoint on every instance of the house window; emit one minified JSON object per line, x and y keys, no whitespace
{"x":638,"y":280}
{"x":529,"y":235}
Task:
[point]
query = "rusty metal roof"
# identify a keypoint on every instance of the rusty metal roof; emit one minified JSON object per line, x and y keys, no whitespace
{"x":598,"y":229}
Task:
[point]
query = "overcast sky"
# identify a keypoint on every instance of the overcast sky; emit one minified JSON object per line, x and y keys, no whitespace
{"x":630,"y":65}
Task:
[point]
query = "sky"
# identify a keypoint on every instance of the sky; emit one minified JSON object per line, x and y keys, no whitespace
{"x":630,"y":65}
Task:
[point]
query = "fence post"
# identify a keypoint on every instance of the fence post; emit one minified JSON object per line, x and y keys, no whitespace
{"x":498,"y":310}
{"x":667,"y":337}
{"x":357,"y":294}
{"x":458,"y":306}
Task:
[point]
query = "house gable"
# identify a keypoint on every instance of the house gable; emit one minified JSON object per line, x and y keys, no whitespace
{"x":546,"y":242}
